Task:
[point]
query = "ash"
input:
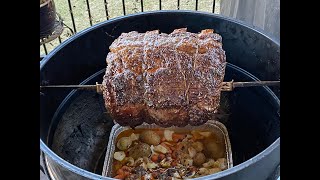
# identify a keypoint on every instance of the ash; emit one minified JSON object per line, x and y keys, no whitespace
{"x":83,"y":132}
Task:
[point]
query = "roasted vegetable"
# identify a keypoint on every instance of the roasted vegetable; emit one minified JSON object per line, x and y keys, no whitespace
{"x":138,"y":161}
{"x":140,"y":150}
{"x":196,"y":135}
{"x":165,"y":163}
{"x":210,"y":163}
{"x":129,"y":161}
{"x":214,"y":150}
{"x":120,"y":155}
{"x":187,"y":162}
{"x":199,"y":159}
{"x":124,"y":143}
{"x":214,"y":170}
{"x":203,"y":171}
{"x":165,"y":154}
{"x":198,"y":146}
{"x":221,"y":163}
{"x":151,"y":165}
{"x":192,"y":152}
{"x":160,"y":149}
{"x":150,"y":137}
{"x":205,"y":133}
{"x":168,"y":135}
{"x":134,"y":137}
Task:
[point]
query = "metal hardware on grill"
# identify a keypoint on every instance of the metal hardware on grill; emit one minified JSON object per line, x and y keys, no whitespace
{"x":226,"y":86}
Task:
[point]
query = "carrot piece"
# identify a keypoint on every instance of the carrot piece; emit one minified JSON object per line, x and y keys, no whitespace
{"x":119,"y":176}
{"x":127,"y":153}
{"x":179,"y":136}
{"x":159,"y":132}
{"x":126,"y":173}
{"x":196,"y":135}
{"x":125,"y":168}
{"x":154,"y":158}
{"x":164,"y":145}
{"x":179,"y":147}
{"x":117,"y":165}
{"x":175,"y":139}
{"x":120,"y":171}
{"x":174,"y":154}
{"x":154,"y":174}
{"x":163,"y":139}
{"x":161,"y":156}
{"x":173,"y":163}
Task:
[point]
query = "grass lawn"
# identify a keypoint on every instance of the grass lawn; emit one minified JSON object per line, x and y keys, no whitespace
{"x":98,"y":13}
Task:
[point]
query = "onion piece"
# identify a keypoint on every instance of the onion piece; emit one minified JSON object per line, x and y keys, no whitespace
{"x":134,"y":137}
{"x":205,"y":133}
{"x":168,"y":135}
{"x":129,"y":161}
{"x":151,"y":165}
{"x":160,"y":149}
{"x":192,"y":152}
{"x":210,"y":163}
{"x":120,"y":155}
{"x":152,"y":150}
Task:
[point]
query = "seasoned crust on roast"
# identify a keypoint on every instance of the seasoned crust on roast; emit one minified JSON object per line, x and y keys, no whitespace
{"x":167,"y":79}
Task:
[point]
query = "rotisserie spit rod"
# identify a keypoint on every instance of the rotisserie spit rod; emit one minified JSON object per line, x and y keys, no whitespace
{"x":226,"y":86}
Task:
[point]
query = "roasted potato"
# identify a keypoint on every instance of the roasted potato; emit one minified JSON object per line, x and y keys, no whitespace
{"x":150,"y":137}
{"x":140,"y":150}
{"x":213,"y":150}
{"x":199,"y":159}
{"x":198,"y":146}
{"x":124,"y":143}
{"x":221,"y":163}
{"x":214,"y":170}
{"x":120,"y":155}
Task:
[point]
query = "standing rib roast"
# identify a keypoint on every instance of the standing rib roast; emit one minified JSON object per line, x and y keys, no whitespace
{"x":167,"y":79}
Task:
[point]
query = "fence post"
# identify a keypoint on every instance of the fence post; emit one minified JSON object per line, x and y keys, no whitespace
{"x":261,"y":13}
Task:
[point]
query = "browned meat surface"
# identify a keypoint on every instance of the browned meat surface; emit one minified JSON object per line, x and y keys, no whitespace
{"x":167,"y":79}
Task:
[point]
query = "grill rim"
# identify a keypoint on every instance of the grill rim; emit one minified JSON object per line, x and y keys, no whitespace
{"x":276,"y":144}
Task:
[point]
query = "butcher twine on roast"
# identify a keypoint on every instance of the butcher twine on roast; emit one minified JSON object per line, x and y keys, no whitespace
{"x":166,"y":79}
